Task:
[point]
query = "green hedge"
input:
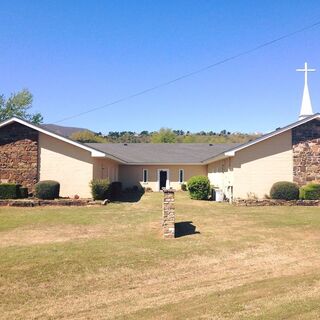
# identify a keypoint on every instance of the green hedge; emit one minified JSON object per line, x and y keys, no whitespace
{"x":9,"y":191}
{"x":199,"y":187}
{"x":310,"y":192}
{"x":100,"y":189}
{"x":284,"y":190}
{"x":23,"y":192}
{"x":116,"y":190}
{"x":47,"y":189}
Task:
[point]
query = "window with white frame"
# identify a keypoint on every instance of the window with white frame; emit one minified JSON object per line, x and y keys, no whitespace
{"x":145,"y":176}
{"x":181,"y":175}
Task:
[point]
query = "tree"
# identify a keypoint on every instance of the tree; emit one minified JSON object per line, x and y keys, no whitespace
{"x":188,"y":139}
{"x":87,"y":136}
{"x":178,"y":132}
{"x":223,"y":132}
{"x":164,"y":135}
{"x":18,"y":105}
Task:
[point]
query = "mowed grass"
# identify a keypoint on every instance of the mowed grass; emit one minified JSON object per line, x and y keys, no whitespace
{"x":112,"y":263}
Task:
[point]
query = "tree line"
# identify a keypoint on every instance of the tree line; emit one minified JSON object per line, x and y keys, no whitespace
{"x":19,"y":105}
{"x":164,"y":135}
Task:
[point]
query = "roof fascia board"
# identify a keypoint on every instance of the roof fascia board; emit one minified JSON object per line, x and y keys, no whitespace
{"x":163,"y":164}
{"x":98,"y":154}
{"x":217,"y":158}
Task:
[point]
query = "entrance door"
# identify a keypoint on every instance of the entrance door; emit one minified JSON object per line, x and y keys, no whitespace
{"x":163,"y":176}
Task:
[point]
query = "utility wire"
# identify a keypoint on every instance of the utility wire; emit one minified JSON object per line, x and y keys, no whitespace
{"x":187,"y":75}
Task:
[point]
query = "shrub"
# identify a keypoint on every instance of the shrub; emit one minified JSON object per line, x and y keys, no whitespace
{"x":23,"y":192}
{"x":47,"y":189}
{"x":199,"y":187}
{"x":183,"y":187}
{"x":284,"y":190}
{"x":116,"y":190}
{"x":100,"y":189}
{"x":9,"y":191}
{"x":310,"y":192}
{"x":302,"y":193}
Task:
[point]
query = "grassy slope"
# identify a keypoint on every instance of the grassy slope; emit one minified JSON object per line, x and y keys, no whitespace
{"x":111,"y":262}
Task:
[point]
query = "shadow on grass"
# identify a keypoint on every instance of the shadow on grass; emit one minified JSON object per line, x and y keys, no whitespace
{"x":129,"y":197}
{"x":185,"y":228}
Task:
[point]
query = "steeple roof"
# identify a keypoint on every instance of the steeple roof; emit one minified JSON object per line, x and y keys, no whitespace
{"x":306,"y":106}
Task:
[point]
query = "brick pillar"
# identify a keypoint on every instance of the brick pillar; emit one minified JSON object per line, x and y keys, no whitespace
{"x":168,"y":213}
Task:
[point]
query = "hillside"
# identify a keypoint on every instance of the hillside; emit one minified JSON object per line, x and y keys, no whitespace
{"x":62,"y":130}
{"x":161,"y":136}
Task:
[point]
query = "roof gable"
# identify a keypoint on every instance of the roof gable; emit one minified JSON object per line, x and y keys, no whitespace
{"x":231,"y":152}
{"x":94,"y":152}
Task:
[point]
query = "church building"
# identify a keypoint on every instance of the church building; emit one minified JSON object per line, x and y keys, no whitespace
{"x":30,"y":153}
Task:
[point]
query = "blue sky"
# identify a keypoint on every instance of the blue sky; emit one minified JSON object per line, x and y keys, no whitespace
{"x":77,"y":55}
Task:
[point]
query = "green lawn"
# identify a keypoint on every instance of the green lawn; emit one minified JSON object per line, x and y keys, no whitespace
{"x":112,"y":263}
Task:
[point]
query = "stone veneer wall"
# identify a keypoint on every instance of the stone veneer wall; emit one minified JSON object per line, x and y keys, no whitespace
{"x":19,"y":155}
{"x":168,"y":222}
{"x":306,"y":153}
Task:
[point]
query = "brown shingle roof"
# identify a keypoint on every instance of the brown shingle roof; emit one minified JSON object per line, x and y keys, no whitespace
{"x":157,"y":153}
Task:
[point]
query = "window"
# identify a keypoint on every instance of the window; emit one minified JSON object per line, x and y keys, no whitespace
{"x":181,"y":176}
{"x":145,"y":175}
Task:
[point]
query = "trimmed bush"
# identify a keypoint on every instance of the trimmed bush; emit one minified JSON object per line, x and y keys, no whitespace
{"x":183,"y":187}
{"x":116,"y":190}
{"x":23,"y":192}
{"x":284,"y":190}
{"x":310,"y":192}
{"x":9,"y":191}
{"x":199,"y":187}
{"x":47,"y":190}
{"x":100,"y":189}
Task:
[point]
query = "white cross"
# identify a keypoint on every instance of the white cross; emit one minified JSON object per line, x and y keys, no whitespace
{"x":305,"y":70}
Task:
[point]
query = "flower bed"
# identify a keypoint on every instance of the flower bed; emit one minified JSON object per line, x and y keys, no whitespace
{"x":56,"y":202}
{"x":271,"y":202}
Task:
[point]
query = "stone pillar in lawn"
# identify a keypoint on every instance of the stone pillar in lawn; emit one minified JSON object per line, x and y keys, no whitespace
{"x":168,"y":213}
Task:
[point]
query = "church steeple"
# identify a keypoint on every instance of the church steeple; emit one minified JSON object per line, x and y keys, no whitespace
{"x":306,"y":106}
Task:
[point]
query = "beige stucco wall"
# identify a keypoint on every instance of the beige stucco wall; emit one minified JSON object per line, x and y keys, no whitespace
{"x":71,"y":166}
{"x":220,"y":174}
{"x":257,"y":167}
{"x":105,"y":168}
{"x":131,"y":175}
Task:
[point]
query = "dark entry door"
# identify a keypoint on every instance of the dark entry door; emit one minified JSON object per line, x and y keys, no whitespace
{"x":163,"y":179}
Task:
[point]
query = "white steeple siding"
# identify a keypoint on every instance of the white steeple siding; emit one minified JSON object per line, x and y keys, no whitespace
{"x":306,"y":106}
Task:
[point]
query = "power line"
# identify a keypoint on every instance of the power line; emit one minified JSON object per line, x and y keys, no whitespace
{"x":187,"y":75}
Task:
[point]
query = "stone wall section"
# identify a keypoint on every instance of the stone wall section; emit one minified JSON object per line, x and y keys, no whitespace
{"x":306,"y":153}
{"x":168,"y":222}
{"x":19,"y":155}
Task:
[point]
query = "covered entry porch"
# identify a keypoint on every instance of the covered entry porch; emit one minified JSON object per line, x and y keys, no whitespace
{"x":157,"y":177}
